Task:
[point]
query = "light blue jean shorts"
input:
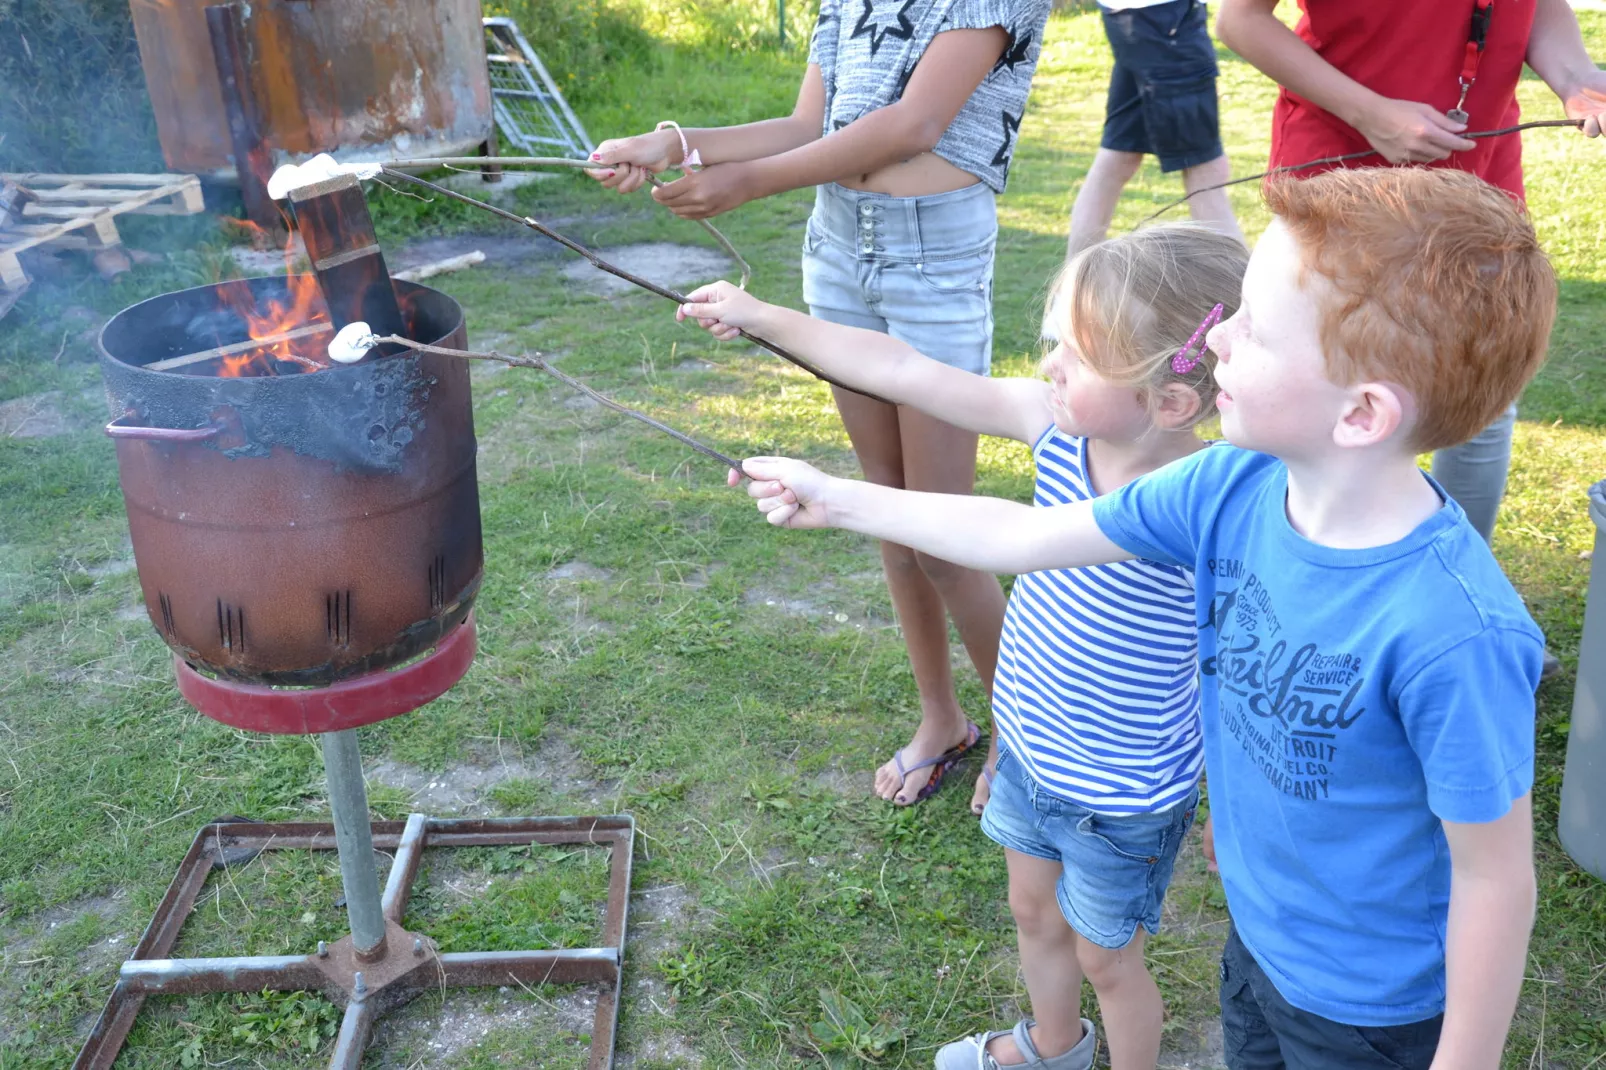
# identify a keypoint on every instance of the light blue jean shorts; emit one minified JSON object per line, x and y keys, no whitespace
{"x":1116,"y":868}
{"x":917,"y":268}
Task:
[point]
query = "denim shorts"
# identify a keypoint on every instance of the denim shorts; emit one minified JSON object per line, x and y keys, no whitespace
{"x":1260,"y":1030}
{"x":917,"y":268}
{"x":1163,"y":88}
{"x":1115,"y":867}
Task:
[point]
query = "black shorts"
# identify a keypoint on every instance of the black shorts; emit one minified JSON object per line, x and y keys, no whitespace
{"x":1163,"y":88}
{"x":1260,"y":1030}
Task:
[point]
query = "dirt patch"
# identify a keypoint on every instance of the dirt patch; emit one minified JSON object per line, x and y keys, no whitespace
{"x":845,"y":783}
{"x":18,"y":942}
{"x":434,"y":1031}
{"x":658,"y":917}
{"x":665,"y":263}
{"x":119,"y":567}
{"x":579,"y":570}
{"x":458,"y":789}
{"x":35,"y":416}
{"x":134,"y":612}
{"x":254,"y":262}
{"x":792,"y":607}
{"x":665,"y":1048}
{"x":694,"y":366}
{"x":1199,"y":1049}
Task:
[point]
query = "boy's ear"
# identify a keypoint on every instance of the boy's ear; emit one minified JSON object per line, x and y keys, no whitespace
{"x":1372,"y":414}
{"x":1178,"y":406}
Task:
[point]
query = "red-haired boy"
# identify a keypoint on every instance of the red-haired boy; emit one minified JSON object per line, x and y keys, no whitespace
{"x":1367,"y":671}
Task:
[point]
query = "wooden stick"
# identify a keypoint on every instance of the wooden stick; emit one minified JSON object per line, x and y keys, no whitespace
{"x":539,"y":363}
{"x":440,"y":267}
{"x":458,"y":162}
{"x":601,"y":264}
{"x":239,"y":347}
{"x":1537,"y":124}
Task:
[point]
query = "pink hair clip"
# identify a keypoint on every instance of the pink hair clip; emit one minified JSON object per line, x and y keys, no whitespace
{"x":1186,"y":358}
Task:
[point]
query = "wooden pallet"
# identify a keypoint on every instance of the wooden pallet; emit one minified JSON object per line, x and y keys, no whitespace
{"x":80,"y":212}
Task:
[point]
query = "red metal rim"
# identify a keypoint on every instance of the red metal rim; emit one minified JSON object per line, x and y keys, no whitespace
{"x":366,"y":699}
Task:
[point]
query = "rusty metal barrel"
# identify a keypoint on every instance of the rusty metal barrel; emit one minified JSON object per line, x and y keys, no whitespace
{"x":295,"y":529}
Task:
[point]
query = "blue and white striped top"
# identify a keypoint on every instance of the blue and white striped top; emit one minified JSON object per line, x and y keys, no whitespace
{"x":1097,"y":690}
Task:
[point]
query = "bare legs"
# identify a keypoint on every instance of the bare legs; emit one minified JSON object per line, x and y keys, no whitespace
{"x":902,"y":447}
{"x":1112,"y":170}
{"x":1054,"y":958}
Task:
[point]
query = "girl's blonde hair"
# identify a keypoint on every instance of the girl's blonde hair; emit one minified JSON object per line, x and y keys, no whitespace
{"x":1131,"y":303}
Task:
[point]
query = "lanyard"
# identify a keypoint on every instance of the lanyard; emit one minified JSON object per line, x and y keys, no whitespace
{"x":1477,"y":35}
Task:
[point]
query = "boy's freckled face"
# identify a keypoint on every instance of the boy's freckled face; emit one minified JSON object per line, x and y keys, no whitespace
{"x":1084,"y":404}
{"x":1275,"y":395}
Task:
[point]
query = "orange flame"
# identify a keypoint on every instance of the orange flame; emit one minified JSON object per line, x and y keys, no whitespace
{"x":302,"y":306}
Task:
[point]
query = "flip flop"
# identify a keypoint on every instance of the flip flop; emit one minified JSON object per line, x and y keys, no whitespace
{"x":940,"y":765}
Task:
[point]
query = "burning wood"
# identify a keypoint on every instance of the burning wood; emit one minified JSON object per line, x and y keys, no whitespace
{"x":333,"y":219}
{"x":252,"y":348}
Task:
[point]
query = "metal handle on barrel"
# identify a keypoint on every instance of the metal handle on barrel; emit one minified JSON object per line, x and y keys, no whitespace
{"x":118,"y":429}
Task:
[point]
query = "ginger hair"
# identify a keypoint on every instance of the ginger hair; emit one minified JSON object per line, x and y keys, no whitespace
{"x":1434,"y":281}
{"x":1131,"y":303}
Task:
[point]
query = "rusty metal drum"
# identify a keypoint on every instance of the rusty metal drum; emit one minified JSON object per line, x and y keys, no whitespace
{"x":363,"y":79}
{"x":295,"y":529}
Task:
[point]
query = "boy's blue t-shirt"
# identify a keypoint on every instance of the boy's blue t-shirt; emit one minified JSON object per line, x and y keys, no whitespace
{"x":1352,"y":700}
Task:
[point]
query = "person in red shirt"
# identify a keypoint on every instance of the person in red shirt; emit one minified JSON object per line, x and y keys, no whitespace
{"x":1405,"y":80}
{"x":1389,"y":76}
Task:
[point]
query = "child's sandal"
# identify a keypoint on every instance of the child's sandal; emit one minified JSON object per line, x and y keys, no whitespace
{"x":971,"y":1053}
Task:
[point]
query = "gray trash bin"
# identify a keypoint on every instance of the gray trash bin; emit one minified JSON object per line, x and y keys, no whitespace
{"x":1583,"y":784}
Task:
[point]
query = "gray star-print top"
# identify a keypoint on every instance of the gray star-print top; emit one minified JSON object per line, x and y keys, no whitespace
{"x":867,"y":50}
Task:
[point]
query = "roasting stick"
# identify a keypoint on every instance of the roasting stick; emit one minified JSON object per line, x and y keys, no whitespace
{"x":559,"y":161}
{"x":355,"y":340}
{"x":321,"y":168}
{"x":1537,"y":124}
{"x":636,"y":280}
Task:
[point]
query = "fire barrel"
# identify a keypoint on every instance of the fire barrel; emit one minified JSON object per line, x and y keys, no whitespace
{"x":293,"y":526}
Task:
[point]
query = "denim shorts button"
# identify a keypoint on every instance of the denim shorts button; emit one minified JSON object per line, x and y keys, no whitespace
{"x":867,"y":247}
{"x":864,"y":209}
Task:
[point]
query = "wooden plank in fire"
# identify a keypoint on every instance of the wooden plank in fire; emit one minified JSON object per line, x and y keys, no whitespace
{"x":333,"y":219}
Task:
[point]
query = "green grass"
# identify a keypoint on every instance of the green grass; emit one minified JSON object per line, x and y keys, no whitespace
{"x":739,"y":734}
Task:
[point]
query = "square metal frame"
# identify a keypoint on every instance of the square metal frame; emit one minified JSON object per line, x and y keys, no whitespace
{"x":411,"y":966}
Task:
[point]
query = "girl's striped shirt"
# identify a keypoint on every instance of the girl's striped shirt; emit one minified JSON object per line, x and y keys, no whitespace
{"x":1097,"y":689}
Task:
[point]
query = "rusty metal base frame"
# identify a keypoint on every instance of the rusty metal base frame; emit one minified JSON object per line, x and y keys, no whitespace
{"x":403,"y":966}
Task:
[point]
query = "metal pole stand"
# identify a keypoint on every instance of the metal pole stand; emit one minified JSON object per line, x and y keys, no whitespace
{"x":380,"y":965}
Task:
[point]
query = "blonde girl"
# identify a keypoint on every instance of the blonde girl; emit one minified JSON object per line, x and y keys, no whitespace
{"x":1095,"y":703}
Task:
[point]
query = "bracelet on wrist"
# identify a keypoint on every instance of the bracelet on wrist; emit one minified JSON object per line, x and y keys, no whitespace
{"x":689,"y":158}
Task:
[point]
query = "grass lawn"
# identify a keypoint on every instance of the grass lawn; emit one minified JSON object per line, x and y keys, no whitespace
{"x":649,"y":646}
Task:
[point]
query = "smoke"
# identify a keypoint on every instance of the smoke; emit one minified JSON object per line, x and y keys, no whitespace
{"x":72,"y":94}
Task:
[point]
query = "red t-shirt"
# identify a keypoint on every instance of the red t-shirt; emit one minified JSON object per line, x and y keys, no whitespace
{"x":1410,"y":50}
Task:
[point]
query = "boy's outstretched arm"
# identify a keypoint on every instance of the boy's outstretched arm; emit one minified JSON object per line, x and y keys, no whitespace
{"x":980,"y":533}
{"x":871,"y":361}
{"x":1492,"y":893}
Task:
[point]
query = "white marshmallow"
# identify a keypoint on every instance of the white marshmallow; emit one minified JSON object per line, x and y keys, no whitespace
{"x":320,"y":167}
{"x":352,"y":343}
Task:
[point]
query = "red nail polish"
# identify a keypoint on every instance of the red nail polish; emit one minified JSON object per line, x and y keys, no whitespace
{"x":596,"y":155}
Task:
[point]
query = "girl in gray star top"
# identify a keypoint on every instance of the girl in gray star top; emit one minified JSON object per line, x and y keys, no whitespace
{"x":906,"y":122}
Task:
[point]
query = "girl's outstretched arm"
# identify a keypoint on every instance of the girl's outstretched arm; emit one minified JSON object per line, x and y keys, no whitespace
{"x":988,"y":534}
{"x":868,"y":360}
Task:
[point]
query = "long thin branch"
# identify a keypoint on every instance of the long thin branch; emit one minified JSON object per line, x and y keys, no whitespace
{"x":482,"y":162}
{"x":540,"y":363}
{"x":1537,"y":124}
{"x":635,"y":280}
